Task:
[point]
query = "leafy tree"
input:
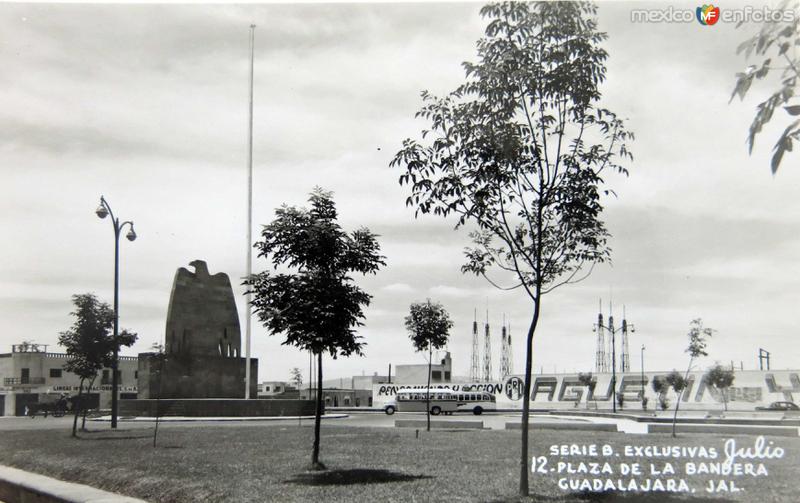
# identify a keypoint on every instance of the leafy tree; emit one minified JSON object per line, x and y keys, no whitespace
{"x":720,"y":378}
{"x":89,"y":343}
{"x":316,"y":305}
{"x":519,"y":150}
{"x":698,"y":336}
{"x":661,"y":386}
{"x":296,"y":378}
{"x":428,"y":326}
{"x":676,"y":381}
{"x":776,"y":46}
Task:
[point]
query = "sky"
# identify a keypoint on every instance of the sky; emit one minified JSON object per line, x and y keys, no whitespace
{"x":147,"y":105}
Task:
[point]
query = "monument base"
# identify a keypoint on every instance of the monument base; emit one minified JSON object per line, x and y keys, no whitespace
{"x":194,"y":376}
{"x":216,"y":407}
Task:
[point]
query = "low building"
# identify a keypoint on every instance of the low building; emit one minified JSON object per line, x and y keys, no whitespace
{"x":340,"y":397}
{"x":277,"y":389}
{"x":353,"y":391}
{"x":31,"y":374}
{"x":441,"y":372}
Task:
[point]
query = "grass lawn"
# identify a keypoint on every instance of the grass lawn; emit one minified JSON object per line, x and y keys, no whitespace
{"x":267,"y":463}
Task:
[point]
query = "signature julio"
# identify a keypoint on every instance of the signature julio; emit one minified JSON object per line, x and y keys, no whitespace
{"x":760,"y":450}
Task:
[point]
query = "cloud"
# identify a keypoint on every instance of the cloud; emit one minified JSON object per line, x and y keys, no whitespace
{"x":398,"y":288}
{"x":452,"y":292}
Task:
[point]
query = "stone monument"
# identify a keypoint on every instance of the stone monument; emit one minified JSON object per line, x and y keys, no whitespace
{"x":202,"y":354}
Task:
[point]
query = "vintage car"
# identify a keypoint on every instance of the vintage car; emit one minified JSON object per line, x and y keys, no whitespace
{"x":780,"y":407}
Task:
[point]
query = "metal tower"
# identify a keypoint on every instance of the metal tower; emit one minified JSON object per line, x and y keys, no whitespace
{"x":510,"y":353}
{"x":503,"y":351}
{"x":487,"y":352}
{"x":626,"y":357}
{"x":506,"y":360}
{"x":601,"y":358}
{"x":474,"y":370}
{"x":611,"y":351}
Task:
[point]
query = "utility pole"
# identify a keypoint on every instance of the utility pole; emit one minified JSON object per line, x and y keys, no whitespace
{"x":249,"y":269}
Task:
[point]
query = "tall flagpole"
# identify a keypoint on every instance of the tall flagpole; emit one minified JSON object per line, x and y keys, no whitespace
{"x":249,"y":219}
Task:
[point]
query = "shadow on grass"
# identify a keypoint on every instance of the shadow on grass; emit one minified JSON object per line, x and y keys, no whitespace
{"x":617,"y":497}
{"x":353,"y":476}
{"x":117,"y":437}
{"x":653,"y":497}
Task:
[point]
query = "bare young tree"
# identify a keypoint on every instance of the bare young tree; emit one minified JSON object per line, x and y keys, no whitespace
{"x":698,"y":336}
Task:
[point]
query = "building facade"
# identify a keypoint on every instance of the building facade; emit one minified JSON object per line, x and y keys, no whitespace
{"x":441,"y":372}
{"x":31,"y":374}
{"x":340,"y":397}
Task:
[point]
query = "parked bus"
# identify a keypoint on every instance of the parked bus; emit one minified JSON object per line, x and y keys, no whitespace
{"x":476,"y":401}
{"x":414,"y":400}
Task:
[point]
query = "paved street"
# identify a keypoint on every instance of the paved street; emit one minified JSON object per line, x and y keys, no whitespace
{"x":356,"y":419}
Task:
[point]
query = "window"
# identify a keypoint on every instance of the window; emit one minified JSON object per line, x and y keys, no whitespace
{"x":446,"y":375}
{"x":136,"y":374}
{"x":436,"y":374}
{"x":55,"y":373}
{"x":267,"y":388}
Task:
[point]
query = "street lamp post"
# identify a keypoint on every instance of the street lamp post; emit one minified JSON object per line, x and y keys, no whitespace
{"x":102,"y":211}
{"x":642,"y":362}
{"x":613,"y":331}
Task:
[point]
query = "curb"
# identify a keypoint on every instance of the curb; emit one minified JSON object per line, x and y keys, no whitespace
{"x":421,"y":423}
{"x":565,"y":426}
{"x":189,"y":419}
{"x":21,"y":486}
{"x":777,"y":431}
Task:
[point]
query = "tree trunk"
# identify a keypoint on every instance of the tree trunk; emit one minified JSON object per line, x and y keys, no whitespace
{"x":428,"y":394}
{"x":315,"y":463}
{"x":77,"y":405}
{"x":158,"y":403}
{"x":526,"y":403}
{"x":86,"y":409}
{"x":680,"y":395}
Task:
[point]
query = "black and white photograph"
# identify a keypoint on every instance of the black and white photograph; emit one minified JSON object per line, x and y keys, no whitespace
{"x":476,"y":251}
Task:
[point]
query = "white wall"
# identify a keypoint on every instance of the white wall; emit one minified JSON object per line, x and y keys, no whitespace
{"x":751,"y":388}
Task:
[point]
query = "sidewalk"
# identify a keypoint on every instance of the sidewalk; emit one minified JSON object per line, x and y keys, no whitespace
{"x":19,"y":485}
